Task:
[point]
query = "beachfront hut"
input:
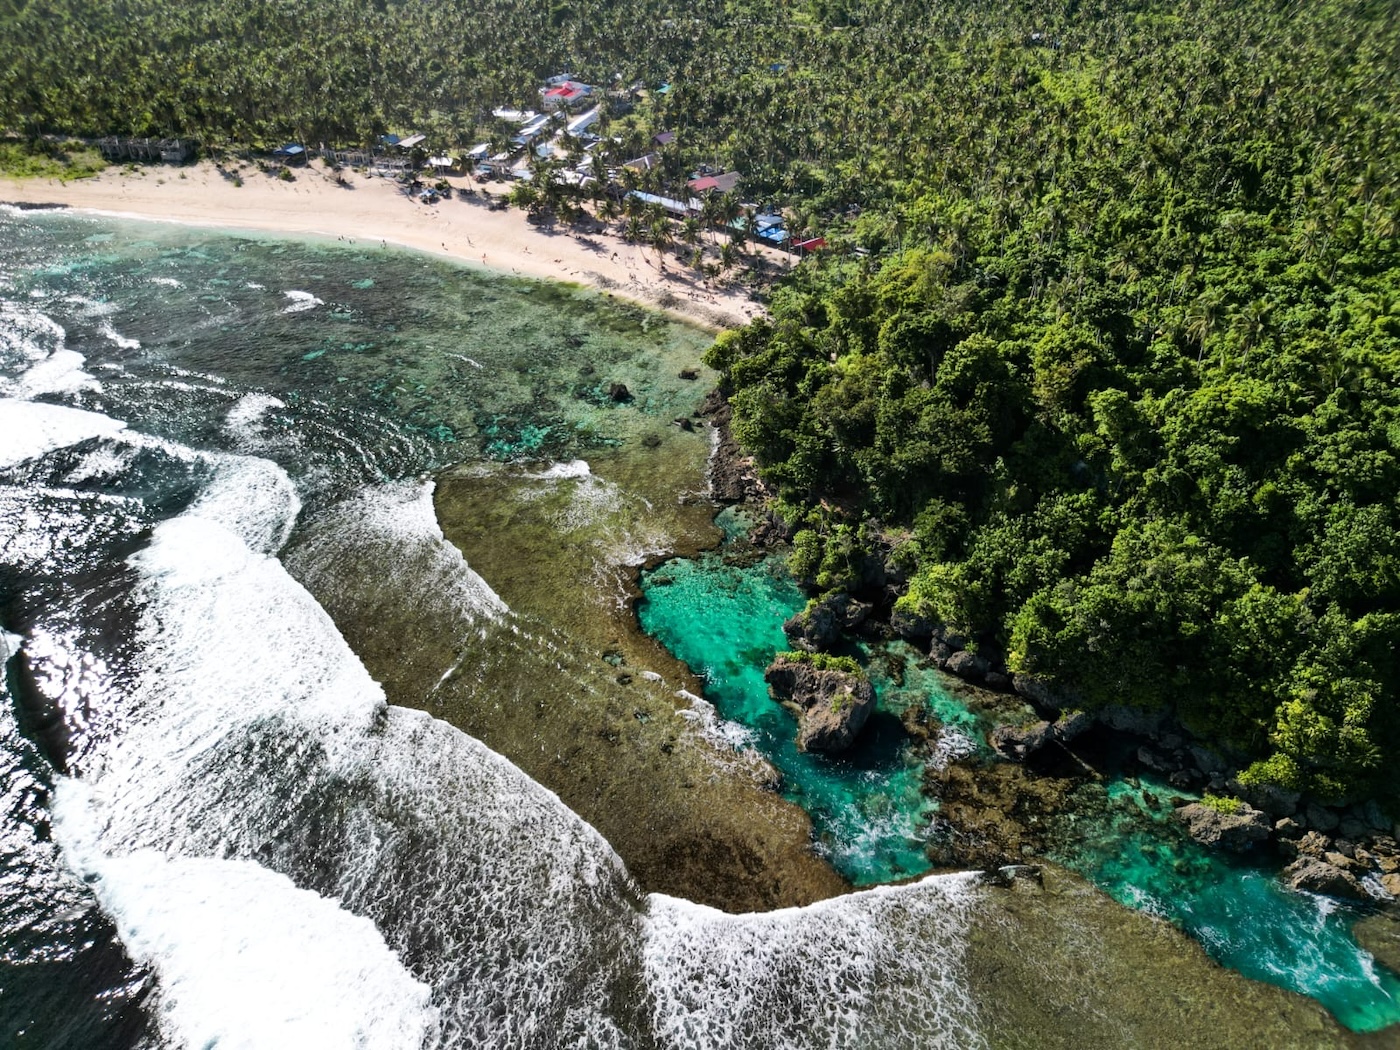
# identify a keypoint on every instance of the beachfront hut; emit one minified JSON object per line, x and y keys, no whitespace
{"x":678,"y":209}
{"x":726,"y":182}
{"x":513,"y":116}
{"x":291,"y":153}
{"x":479,"y":152}
{"x":445,"y":165}
{"x":532,"y":130}
{"x":411,"y":141}
{"x":584,"y":121}
{"x":645,"y":162}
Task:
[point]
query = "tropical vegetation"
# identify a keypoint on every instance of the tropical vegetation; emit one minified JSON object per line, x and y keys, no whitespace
{"x":1103,"y":356}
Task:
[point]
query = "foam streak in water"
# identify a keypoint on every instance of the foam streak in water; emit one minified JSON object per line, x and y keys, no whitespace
{"x":880,"y":968}
{"x":29,"y":429}
{"x":245,"y":958}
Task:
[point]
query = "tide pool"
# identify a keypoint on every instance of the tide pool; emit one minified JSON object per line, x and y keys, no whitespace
{"x":1124,"y":840}
{"x":726,"y":622}
{"x":871,"y":818}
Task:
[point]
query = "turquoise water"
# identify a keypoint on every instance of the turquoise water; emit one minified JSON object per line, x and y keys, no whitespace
{"x":725,"y":622}
{"x":1129,"y":846}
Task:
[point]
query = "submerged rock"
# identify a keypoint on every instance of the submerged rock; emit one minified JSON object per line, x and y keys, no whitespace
{"x":1237,"y":831}
{"x":831,"y":705}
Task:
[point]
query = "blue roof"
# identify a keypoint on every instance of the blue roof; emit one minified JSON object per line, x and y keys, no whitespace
{"x":291,"y":149}
{"x":389,"y":140}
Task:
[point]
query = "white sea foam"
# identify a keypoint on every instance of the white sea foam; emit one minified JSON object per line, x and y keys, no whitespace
{"x":880,"y":968}
{"x":29,"y":429}
{"x":245,"y":958}
{"x":253,"y":498}
{"x":576,"y":468}
{"x":168,"y":282}
{"x":60,"y":373}
{"x":103,"y":463}
{"x":119,"y":340}
{"x":34,"y":359}
{"x":397,"y":526}
{"x":301,"y":301}
{"x":249,"y":409}
{"x":247,"y":714}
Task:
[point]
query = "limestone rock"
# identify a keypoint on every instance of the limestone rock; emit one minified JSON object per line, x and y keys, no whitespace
{"x":1139,"y":721}
{"x":1314,"y":844}
{"x":1020,"y":742}
{"x":817,"y":627}
{"x":998,"y":681}
{"x":1317,"y":876}
{"x":1207,"y":761}
{"x":831,"y":705}
{"x":1288,"y":828}
{"x":1073,"y":724}
{"x":1320,"y":818}
{"x":967,"y":665}
{"x":1272,"y":799}
{"x":1040,"y":692}
{"x":1237,"y":831}
{"x":911,"y":626}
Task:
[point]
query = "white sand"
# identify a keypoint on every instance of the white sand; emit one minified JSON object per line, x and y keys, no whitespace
{"x":375,"y":210}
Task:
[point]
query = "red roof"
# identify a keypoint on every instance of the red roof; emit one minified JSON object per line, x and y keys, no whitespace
{"x":700,"y":185}
{"x":812,"y":245}
{"x":564,"y":91}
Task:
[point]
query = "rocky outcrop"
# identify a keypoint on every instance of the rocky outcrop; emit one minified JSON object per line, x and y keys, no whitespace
{"x":1236,"y":831}
{"x":733,"y":474}
{"x":817,"y":627}
{"x":831,"y":705}
{"x":1317,"y":875}
{"x":1041,"y":693}
{"x":1072,"y":725}
{"x":968,"y":665}
{"x":1273,"y":800}
{"x":1020,"y":742}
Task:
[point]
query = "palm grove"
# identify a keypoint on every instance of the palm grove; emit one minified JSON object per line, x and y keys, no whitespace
{"x":1105,"y":354}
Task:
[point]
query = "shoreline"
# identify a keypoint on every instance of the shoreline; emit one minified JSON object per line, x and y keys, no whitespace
{"x":464,"y":229}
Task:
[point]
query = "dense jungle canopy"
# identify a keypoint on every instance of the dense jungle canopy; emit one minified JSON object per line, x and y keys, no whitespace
{"x":1107,"y":343}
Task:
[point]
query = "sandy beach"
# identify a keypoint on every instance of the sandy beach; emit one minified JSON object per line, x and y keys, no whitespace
{"x":375,"y":209}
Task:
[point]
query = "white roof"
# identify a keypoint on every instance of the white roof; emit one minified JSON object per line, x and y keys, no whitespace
{"x":441,"y":162}
{"x":584,"y":120}
{"x":411,"y":141}
{"x":479,"y":150}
